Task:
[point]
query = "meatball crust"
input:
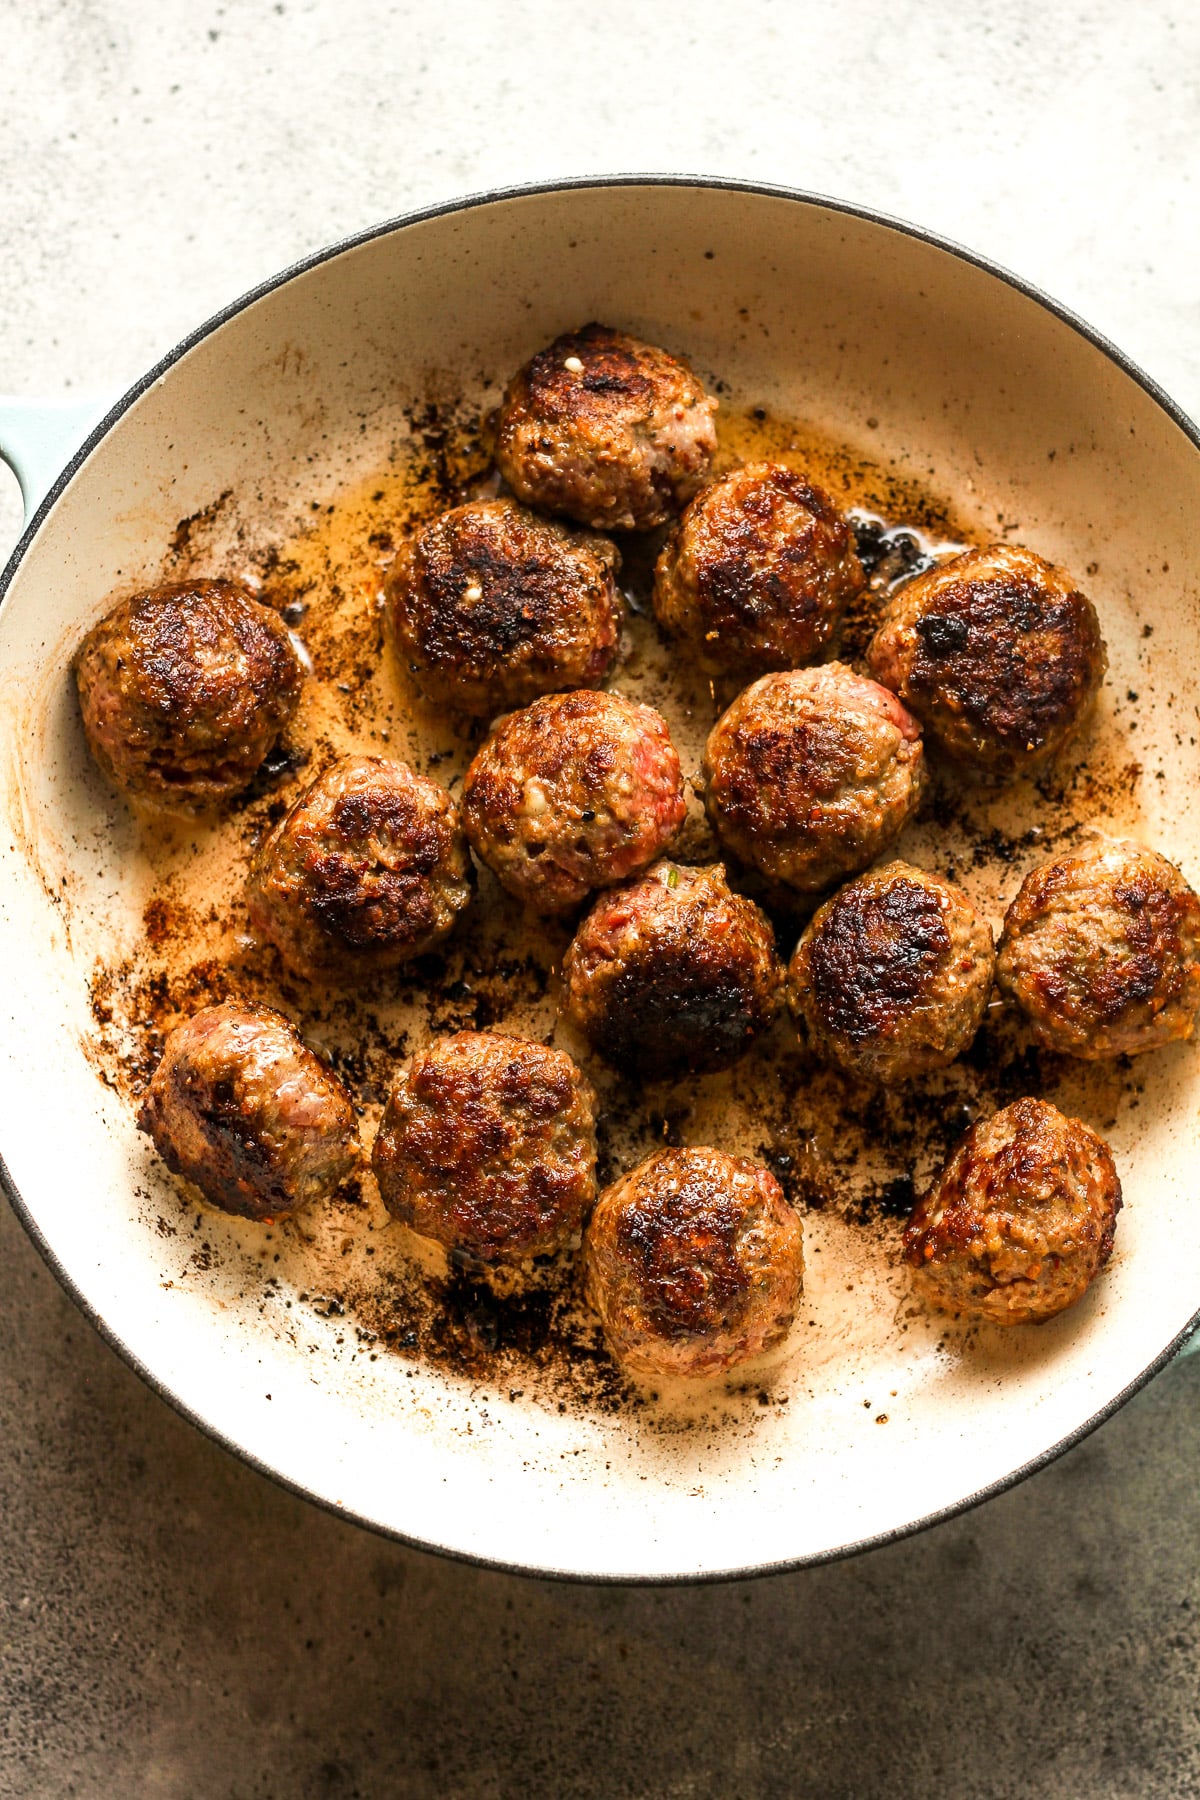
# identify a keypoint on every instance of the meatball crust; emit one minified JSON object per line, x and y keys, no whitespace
{"x":576,"y":792}
{"x":997,"y":653}
{"x":183,"y":691}
{"x":491,"y":606}
{"x":892,"y":975}
{"x":1021,"y":1219}
{"x":608,"y":430}
{"x":673,"y":972}
{"x":694,"y":1262}
{"x":239,"y":1106}
{"x":369,"y":869}
{"x":811,"y":774}
{"x":757,"y":573}
{"x":1101,"y":951}
{"x":488,"y":1146}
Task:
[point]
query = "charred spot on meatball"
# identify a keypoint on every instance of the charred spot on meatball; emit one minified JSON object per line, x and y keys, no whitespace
{"x":369,"y":869}
{"x":997,"y":653}
{"x":756,"y":574}
{"x":1021,"y":1219}
{"x":183,"y":691}
{"x":492,"y":606}
{"x":891,"y":977}
{"x":674,"y":972}
{"x":573,"y":793}
{"x":487,"y":1145}
{"x":694,"y":1262}
{"x":240,"y":1107}
{"x":1101,"y":951}
{"x":811,"y":774}
{"x":615,"y":433}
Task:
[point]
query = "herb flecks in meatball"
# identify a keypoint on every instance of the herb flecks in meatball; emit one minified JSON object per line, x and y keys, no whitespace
{"x":694,"y":1262}
{"x":1021,"y":1219}
{"x":756,"y":574}
{"x":240,"y":1107}
{"x":184,"y":689}
{"x":614,"y":433}
{"x":487,"y":1145}
{"x":1101,"y":951}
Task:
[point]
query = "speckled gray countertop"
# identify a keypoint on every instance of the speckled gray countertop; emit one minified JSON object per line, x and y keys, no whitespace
{"x":170,"y":1623}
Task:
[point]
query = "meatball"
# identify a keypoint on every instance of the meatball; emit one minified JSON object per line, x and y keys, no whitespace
{"x":239,"y":1106}
{"x":694,"y":1262}
{"x":892,"y":976}
{"x":492,"y":606}
{"x":369,"y":869}
{"x":672,"y":973}
{"x":1021,"y":1219}
{"x":757,"y":573}
{"x":488,"y":1145}
{"x":811,"y":774}
{"x":610,"y":431}
{"x":576,"y":792}
{"x":1101,"y":951}
{"x":184,"y":690}
{"x":998,"y":654}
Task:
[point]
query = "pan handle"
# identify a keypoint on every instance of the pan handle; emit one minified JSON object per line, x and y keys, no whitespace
{"x":39,"y":437}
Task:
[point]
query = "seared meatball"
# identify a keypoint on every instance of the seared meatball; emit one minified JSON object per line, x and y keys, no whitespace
{"x":488,"y":1146}
{"x":1101,"y":951}
{"x":239,"y":1106}
{"x":694,"y":1262}
{"x":672,"y":973}
{"x":811,"y":774}
{"x":606,"y":429}
{"x":1021,"y":1219}
{"x":576,"y":792}
{"x":892,"y":976}
{"x":369,"y":869}
{"x":492,"y":606}
{"x":998,"y":654}
{"x":184,"y":690}
{"x":756,"y":574}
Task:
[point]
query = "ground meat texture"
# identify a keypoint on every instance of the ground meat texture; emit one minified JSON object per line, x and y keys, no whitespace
{"x":672,"y":973}
{"x":488,"y":1146}
{"x":491,"y":606}
{"x":756,"y":574}
{"x":610,"y":431}
{"x":1101,"y":951}
{"x":1021,"y":1219}
{"x":997,"y":653}
{"x":239,"y":1106}
{"x":891,"y":978}
{"x":694,"y":1262}
{"x":576,"y":792}
{"x":184,"y":690}
{"x":369,"y":869}
{"x":811,"y":774}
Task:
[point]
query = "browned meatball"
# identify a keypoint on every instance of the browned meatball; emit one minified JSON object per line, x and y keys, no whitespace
{"x":811,"y":774}
{"x":672,"y":973}
{"x":184,"y":690}
{"x":239,"y":1106}
{"x":892,"y":976}
{"x":488,"y":1146}
{"x":756,"y":574}
{"x":1021,"y":1219}
{"x":492,"y":606}
{"x":1101,"y":951}
{"x":610,"y":431}
{"x":369,"y":869}
{"x":694,"y":1262}
{"x":998,"y":654}
{"x":576,"y":792}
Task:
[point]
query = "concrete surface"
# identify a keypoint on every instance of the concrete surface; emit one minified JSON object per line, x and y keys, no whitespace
{"x":170,"y":1623}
